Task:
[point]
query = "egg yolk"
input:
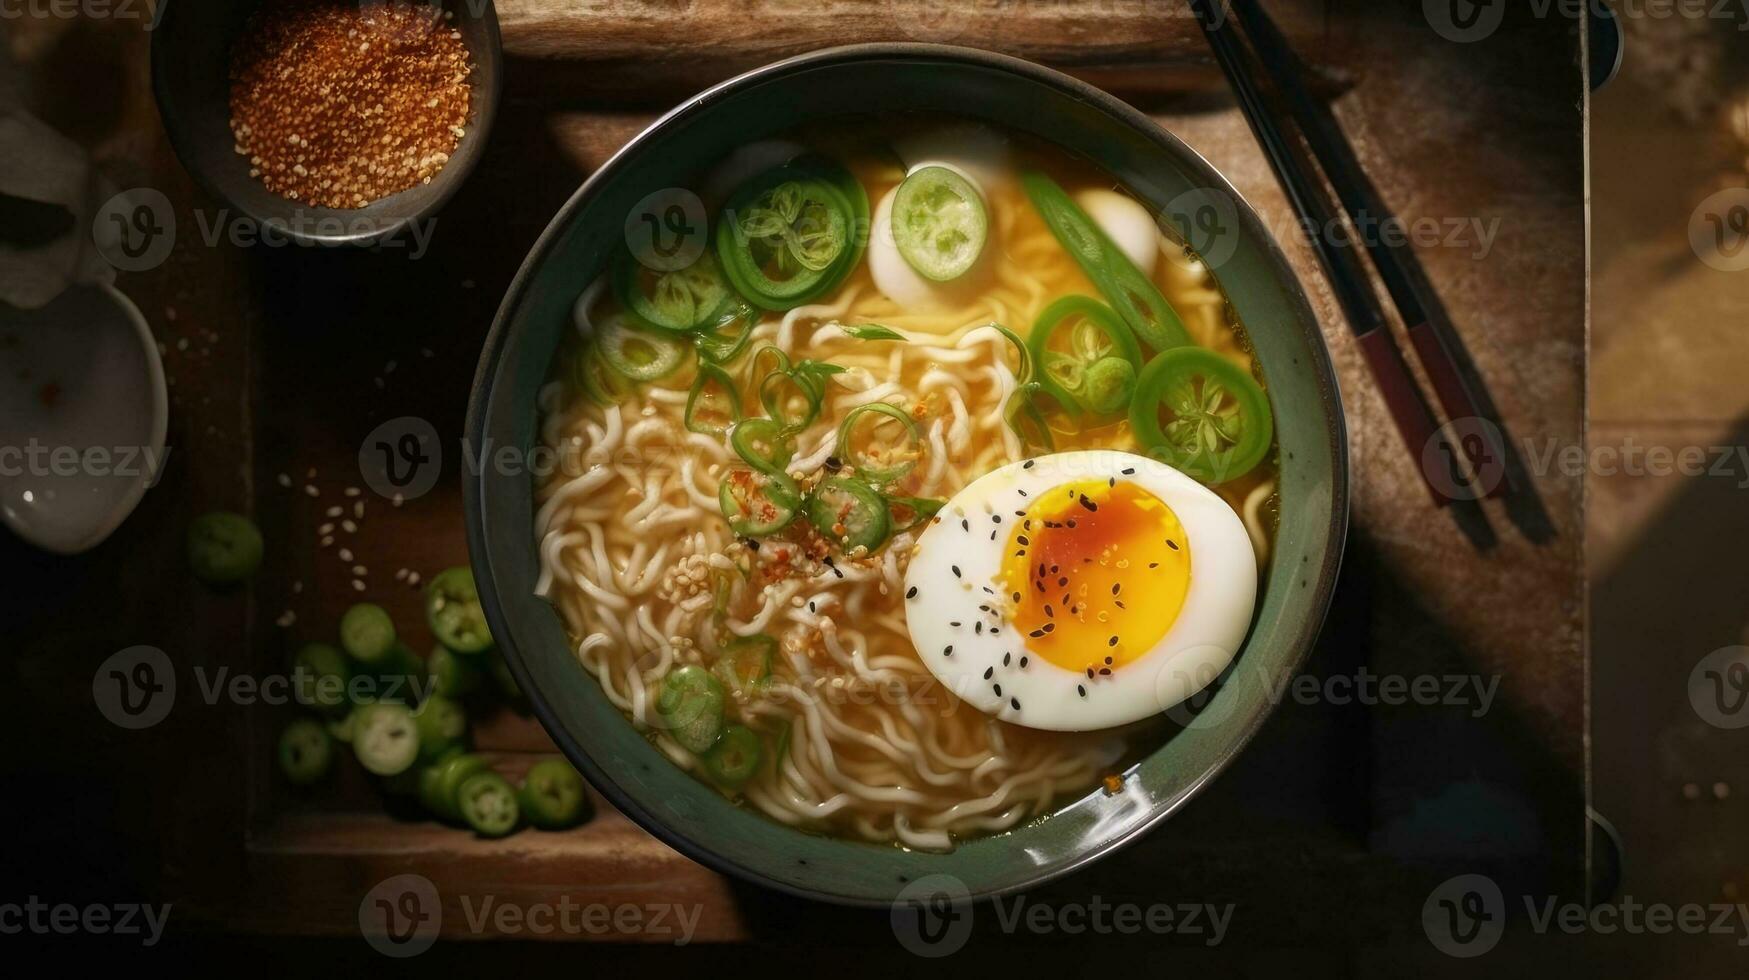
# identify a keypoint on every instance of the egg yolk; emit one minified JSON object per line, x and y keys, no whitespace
{"x":1096,"y":573}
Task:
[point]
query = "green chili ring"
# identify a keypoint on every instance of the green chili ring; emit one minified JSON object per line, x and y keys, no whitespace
{"x":717,"y":348}
{"x":1194,"y":384}
{"x":1083,"y":314}
{"x":639,"y":355}
{"x":870,"y":471}
{"x":849,"y":512}
{"x":822,"y":252}
{"x":779,"y":501}
{"x":745,"y":434}
{"x":685,"y":300}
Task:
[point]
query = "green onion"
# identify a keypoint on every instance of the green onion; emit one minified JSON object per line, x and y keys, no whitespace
{"x":709,"y":374}
{"x":873,"y":331}
{"x":868,"y":466}
{"x":604,"y":387}
{"x":641,"y":355}
{"x":718,"y":345}
{"x":734,"y":758}
{"x":778,"y":449}
{"x":690,"y":707}
{"x":849,"y":512}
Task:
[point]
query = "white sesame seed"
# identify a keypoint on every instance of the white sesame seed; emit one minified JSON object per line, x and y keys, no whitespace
{"x":357,"y":585}
{"x":284,"y":480}
{"x":311,"y":491}
{"x":346,"y":554}
{"x":360,"y":570}
{"x":348,"y":526}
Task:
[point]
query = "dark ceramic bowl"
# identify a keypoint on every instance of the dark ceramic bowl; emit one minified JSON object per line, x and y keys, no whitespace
{"x":191,"y":60}
{"x":1020,"y":96}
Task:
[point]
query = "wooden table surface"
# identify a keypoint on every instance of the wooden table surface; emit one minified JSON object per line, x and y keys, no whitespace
{"x":282,"y":359}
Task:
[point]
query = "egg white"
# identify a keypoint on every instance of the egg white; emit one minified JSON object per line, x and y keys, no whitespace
{"x":1126,"y":222}
{"x":955,"y":570}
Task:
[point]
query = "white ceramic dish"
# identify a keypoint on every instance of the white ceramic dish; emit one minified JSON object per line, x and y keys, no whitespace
{"x":83,"y":411}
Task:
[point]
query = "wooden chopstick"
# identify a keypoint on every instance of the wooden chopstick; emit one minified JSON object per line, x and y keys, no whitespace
{"x":1430,"y":338}
{"x":1403,"y":398}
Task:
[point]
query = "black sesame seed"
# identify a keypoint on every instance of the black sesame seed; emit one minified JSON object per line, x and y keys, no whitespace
{"x":1172,"y":544}
{"x":947,"y":651}
{"x":978,"y":628}
{"x":1015,"y":702}
{"x":1129,"y":471}
{"x":1016,"y":597}
{"x":992,"y":535}
{"x":996,"y":518}
{"x":1090,"y":505}
{"x":988,"y":671}
{"x":1048,"y":627}
{"x":998,"y":688}
{"x":1036,"y":633}
{"x":1049,"y":612}
{"x":965,"y":524}
{"x":1090,"y":673}
{"x":1153,"y":564}
{"x":1022,"y":663}
{"x":956,"y":571}
{"x":911,"y":593}
{"x":811,"y":607}
{"x":954,"y":623}
{"x":1108,"y":661}
{"x":1026,"y":465}
{"x":1071,"y":524}
{"x":1082,"y":688}
{"x":834,"y":464}
{"x":1112,"y":482}
{"x":1115,"y":587}
{"x":1062,"y":580}
{"x":751,"y":543}
{"x":1105,"y":671}
{"x":1111,"y":643}
{"x":1006,"y":658}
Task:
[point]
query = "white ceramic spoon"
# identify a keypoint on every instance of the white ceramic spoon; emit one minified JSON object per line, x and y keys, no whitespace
{"x":83,"y":409}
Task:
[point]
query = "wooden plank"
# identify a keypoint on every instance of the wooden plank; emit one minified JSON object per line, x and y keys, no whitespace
{"x":667,"y":48}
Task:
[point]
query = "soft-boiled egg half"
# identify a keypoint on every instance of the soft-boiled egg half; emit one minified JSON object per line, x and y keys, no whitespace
{"x":980,"y":157}
{"x":1081,"y":590}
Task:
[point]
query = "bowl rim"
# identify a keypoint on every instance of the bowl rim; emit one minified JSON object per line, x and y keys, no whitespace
{"x":449,"y":180}
{"x":473,"y":485}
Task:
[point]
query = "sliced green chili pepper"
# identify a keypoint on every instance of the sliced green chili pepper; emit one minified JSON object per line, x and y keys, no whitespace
{"x":690,"y":707}
{"x":440,"y":783}
{"x":847,"y":511}
{"x":757,"y":504}
{"x":488,"y":804}
{"x":746,"y":662}
{"x":223,"y":548}
{"x":453,"y":675}
{"x":442,"y":725}
{"x":939,"y":223}
{"x":886,"y":464}
{"x":854,"y":193}
{"x":1094,"y":360}
{"x":734,"y":758}
{"x":785,"y":238}
{"x":590,"y":373}
{"x":306,"y":752}
{"x":764,"y":445}
{"x":552,"y":795}
{"x":723,"y":343}
{"x":367,"y":632}
{"x":385,"y":738}
{"x":1220,"y":426}
{"x":700,"y":417}
{"x":320,"y":675}
{"x":683,"y":300}
{"x":638,"y":354}
{"x":452,"y":607}
{"x":1131,"y":293}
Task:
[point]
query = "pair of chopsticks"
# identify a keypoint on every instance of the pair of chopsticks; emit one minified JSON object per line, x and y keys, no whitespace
{"x":1425,"y":439}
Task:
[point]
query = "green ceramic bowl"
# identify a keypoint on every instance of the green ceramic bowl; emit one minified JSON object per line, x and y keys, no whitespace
{"x":1021,"y":96}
